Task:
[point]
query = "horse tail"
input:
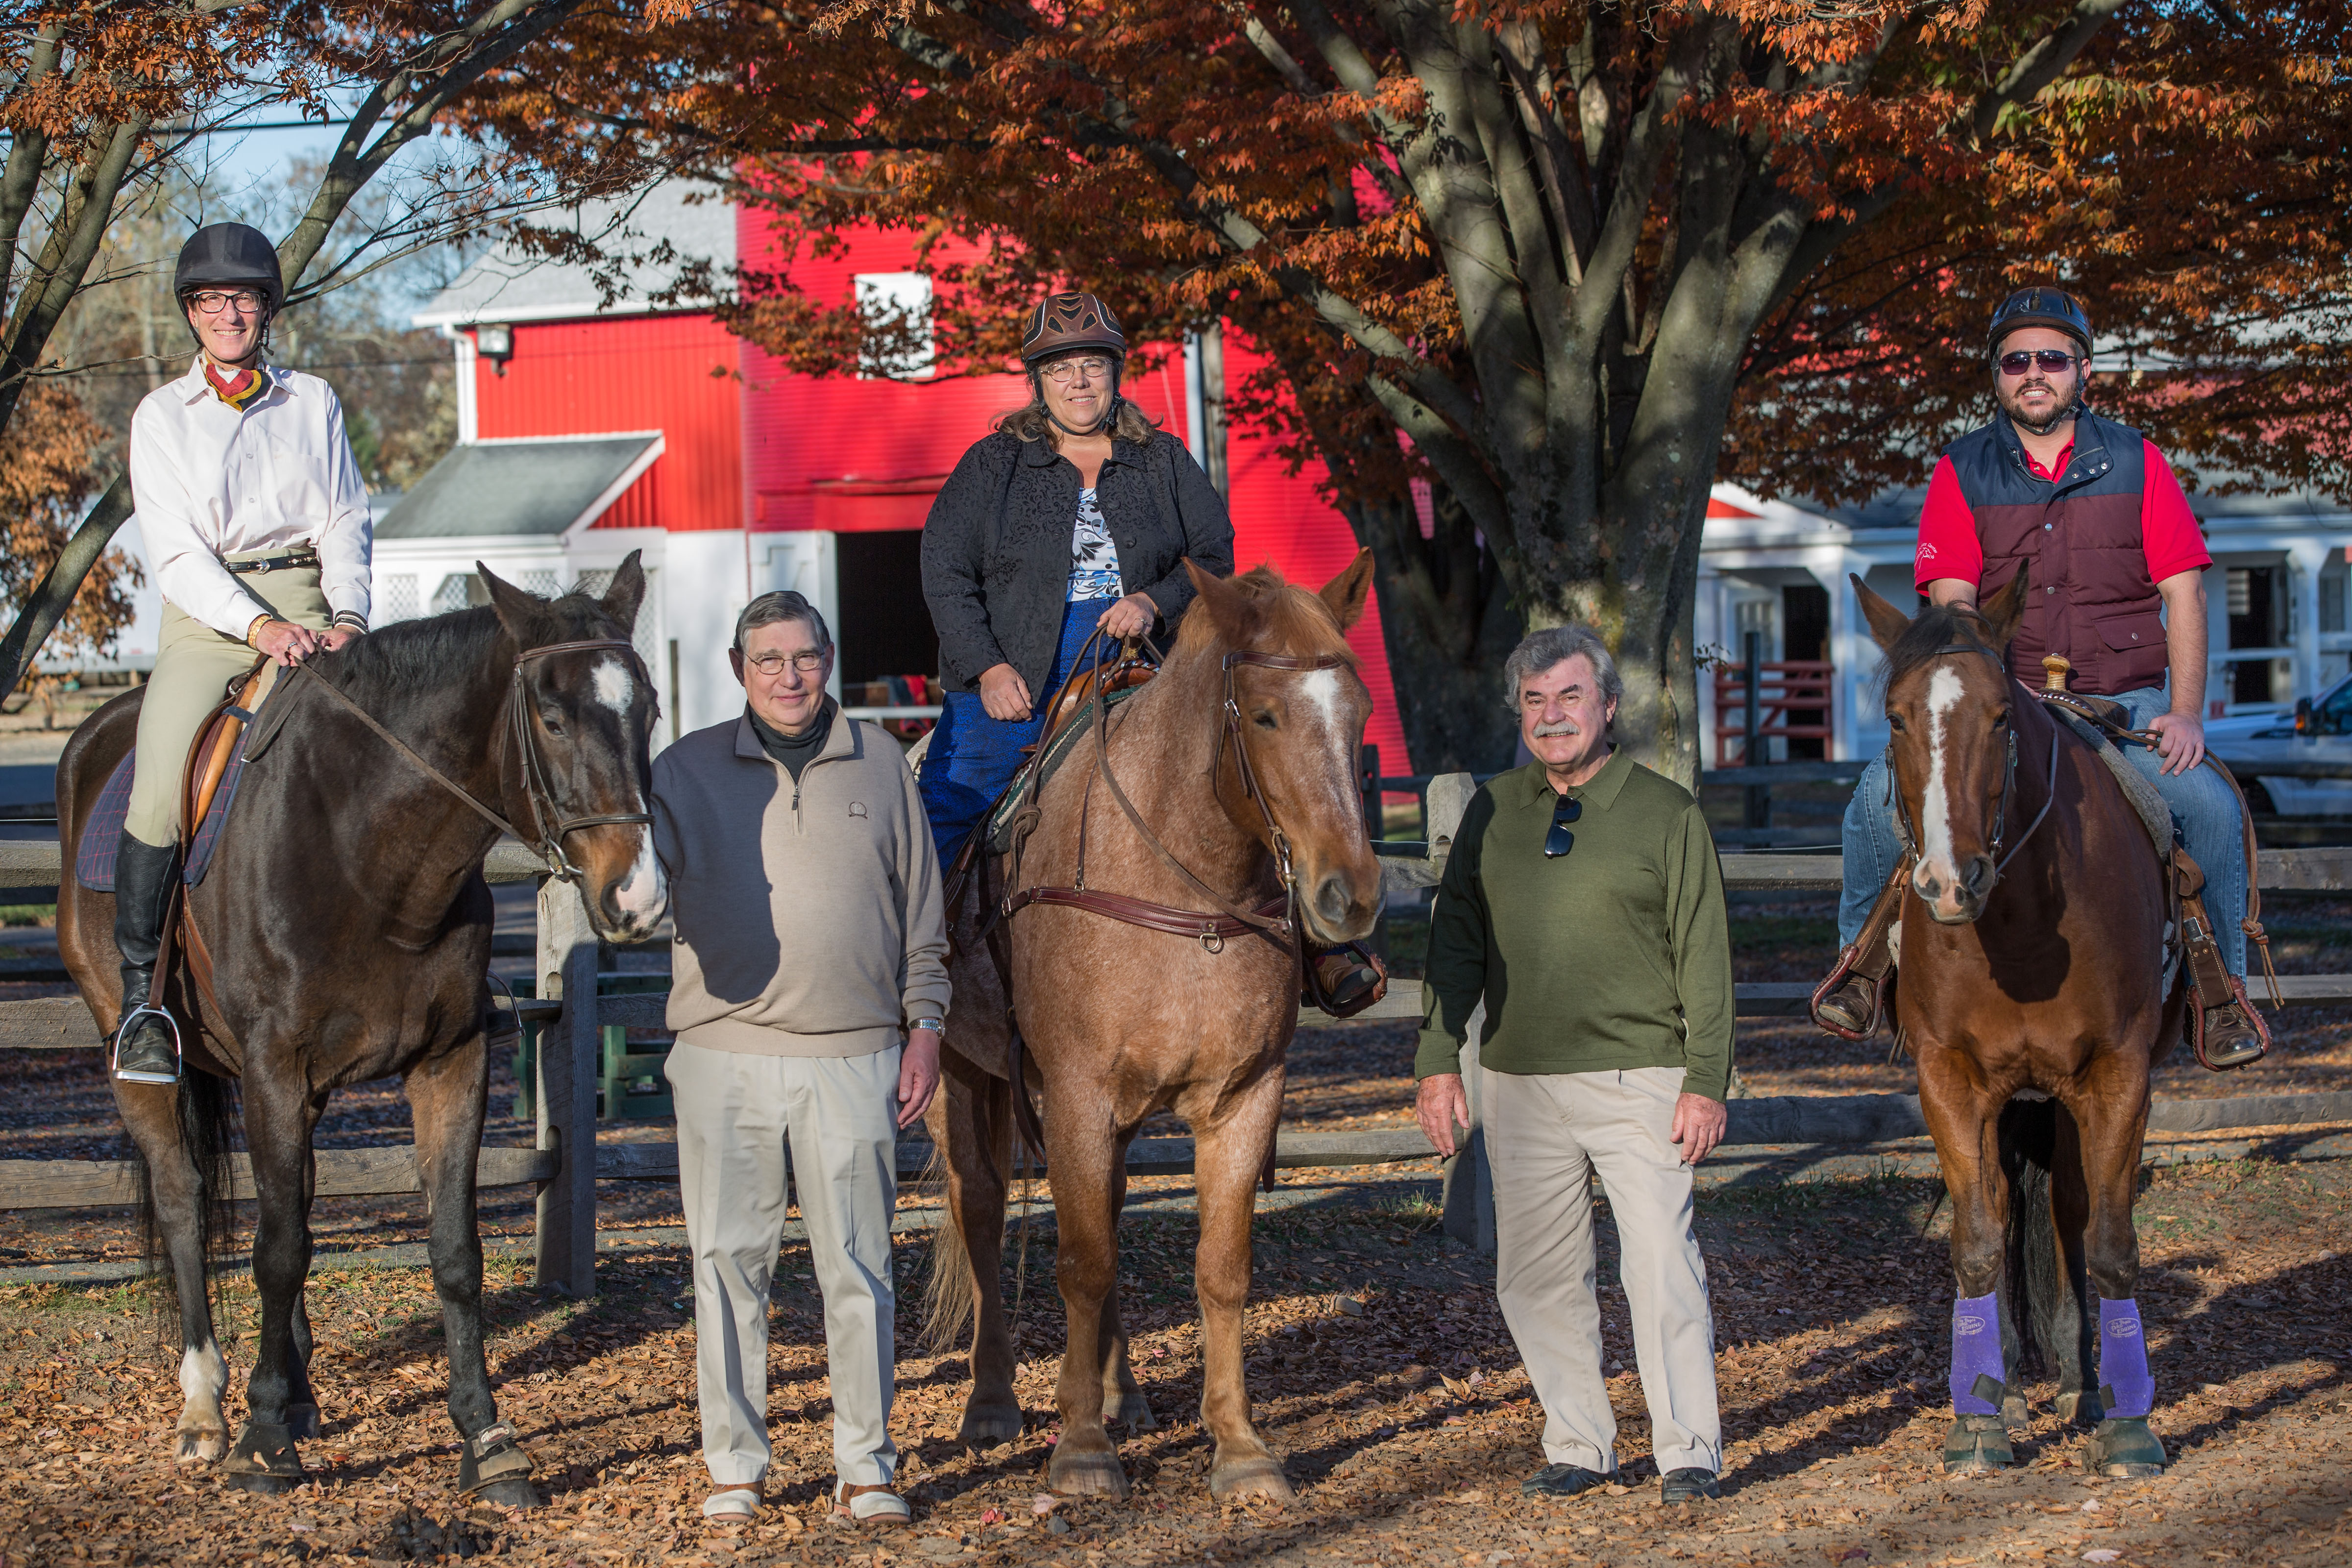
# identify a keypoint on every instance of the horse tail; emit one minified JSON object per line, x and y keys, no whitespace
{"x":204,"y":1105}
{"x":2044,"y":1316}
{"x":949,"y":1293}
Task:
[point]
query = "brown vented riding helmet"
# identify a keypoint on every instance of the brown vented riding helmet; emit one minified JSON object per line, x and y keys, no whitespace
{"x":1069,"y":323}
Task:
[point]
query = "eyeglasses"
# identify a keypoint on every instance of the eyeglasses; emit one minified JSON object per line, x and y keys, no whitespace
{"x":1559,"y":840}
{"x":2052,"y":360}
{"x":771,"y":663}
{"x":213,"y":302}
{"x":1094,"y":366}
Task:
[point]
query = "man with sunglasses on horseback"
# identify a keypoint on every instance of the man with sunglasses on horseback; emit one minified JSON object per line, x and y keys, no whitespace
{"x":2116,"y":563}
{"x":257,"y":528}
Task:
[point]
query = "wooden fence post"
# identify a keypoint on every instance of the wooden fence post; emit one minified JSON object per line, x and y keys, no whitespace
{"x":567,"y":1090}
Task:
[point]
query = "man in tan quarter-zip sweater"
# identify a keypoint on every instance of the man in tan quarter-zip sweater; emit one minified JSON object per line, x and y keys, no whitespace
{"x":808,"y":988}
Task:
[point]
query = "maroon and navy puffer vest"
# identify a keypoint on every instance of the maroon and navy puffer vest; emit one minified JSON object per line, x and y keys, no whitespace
{"x":2089,"y":596}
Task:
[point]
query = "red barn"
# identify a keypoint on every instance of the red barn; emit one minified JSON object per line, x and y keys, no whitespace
{"x":588,"y":428}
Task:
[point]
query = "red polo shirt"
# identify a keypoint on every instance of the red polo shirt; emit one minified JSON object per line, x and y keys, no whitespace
{"x":1948,"y":546}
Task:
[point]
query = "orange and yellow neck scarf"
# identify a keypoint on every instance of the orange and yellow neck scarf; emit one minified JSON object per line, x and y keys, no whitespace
{"x":237,"y":388}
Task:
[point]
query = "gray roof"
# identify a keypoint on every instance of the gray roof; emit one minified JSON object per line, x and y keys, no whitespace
{"x":508,"y":285}
{"x":515,"y":489}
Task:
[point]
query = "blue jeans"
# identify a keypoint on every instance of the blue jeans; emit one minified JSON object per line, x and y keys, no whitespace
{"x":972,"y":757}
{"x":2204,"y":811}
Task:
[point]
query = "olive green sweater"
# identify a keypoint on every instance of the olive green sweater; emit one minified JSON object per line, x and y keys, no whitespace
{"x":1614,"y":956}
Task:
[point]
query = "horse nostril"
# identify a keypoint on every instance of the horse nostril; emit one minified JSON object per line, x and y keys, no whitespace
{"x":1977,"y":879}
{"x":1332,"y":899}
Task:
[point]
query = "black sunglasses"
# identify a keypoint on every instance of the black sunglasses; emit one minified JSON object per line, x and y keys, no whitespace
{"x":1559,"y":840}
{"x":2050,"y":360}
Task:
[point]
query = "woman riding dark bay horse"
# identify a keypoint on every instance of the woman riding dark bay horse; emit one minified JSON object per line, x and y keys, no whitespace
{"x":2035,"y":996}
{"x":348,"y":928}
{"x":1238,"y":761}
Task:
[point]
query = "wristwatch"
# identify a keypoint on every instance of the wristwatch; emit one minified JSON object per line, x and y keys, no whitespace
{"x":934,"y":1025}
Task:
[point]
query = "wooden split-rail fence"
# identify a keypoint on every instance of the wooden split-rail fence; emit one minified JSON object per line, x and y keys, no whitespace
{"x":570,"y":1018}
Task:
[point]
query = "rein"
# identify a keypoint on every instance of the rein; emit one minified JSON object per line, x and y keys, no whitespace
{"x":536,"y":788}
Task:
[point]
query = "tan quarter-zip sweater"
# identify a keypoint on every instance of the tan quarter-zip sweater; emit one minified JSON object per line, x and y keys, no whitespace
{"x":810,"y":917}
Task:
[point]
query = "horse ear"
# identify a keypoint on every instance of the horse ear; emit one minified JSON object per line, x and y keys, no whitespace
{"x":1344,"y":594}
{"x":518,"y":608}
{"x":1886,"y":622}
{"x":2006,"y":608}
{"x":1228,"y":607}
{"x":627,"y":592}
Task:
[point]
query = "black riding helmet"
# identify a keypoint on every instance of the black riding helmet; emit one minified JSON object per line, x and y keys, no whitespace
{"x":227,"y":256}
{"x":2040,"y":306}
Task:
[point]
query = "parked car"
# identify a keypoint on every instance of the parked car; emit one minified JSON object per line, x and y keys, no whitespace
{"x":2318,"y":730}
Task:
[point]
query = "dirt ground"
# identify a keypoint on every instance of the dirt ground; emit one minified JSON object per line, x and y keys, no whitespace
{"x":1379,"y":1367}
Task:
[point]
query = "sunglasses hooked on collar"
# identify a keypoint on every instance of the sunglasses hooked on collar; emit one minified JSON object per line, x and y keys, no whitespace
{"x":1558,"y":841}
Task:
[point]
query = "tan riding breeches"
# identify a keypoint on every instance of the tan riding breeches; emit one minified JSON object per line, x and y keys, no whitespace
{"x":193,"y":666}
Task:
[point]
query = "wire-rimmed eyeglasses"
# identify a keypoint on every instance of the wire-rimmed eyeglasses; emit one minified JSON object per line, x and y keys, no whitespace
{"x":808,"y":662}
{"x":1558,"y":841}
{"x":1095,"y":366}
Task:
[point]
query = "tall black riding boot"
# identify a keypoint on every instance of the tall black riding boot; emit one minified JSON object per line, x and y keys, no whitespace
{"x":147,"y":1049}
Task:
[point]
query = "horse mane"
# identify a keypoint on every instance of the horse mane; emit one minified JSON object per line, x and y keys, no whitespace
{"x":433,"y":652}
{"x":1276,"y":616}
{"x":1934,"y":629}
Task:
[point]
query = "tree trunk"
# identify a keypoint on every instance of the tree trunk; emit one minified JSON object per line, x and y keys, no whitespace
{"x":1448,"y":624}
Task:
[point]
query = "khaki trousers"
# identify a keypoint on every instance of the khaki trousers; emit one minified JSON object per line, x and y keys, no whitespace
{"x":1547,"y":1134}
{"x":193,"y":665}
{"x":737,"y":1114}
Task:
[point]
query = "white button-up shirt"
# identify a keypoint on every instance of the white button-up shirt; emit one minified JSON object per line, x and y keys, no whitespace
{"x":210,"y":480}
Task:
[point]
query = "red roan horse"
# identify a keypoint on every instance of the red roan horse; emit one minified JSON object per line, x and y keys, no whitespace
{"x":1240,"y":759}
{"x":350,"y":932}
{"x":2033,"y":996}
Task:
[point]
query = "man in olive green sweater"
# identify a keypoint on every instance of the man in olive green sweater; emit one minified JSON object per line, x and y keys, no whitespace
{"x":1582,"y":904}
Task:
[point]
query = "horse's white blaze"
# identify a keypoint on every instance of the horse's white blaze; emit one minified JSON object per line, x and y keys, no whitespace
{"x":615,"y":686}
{"x":1936,"y":806}
{"x":644,"y":893}
{"x":203,"y":1373}
{"x":1322,"y":688}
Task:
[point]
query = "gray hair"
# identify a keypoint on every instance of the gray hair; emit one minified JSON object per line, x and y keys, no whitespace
{"x":1547,"y":648}
{"x":782,"y":605}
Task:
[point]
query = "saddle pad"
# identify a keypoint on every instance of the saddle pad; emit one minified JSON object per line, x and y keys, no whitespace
{"x":1000,"y":815}
{"x":2155,"y":815}
{"x":94,"y":861}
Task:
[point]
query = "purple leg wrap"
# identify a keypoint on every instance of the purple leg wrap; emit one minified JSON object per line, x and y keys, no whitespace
{"x":2123,"y":1359}
{"x":1975,"y":1350}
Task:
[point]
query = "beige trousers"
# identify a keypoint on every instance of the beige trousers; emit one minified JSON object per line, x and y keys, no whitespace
{"x":193,"y":665}
{"x":737,"y":1114}
{"x":1547,"y":1134}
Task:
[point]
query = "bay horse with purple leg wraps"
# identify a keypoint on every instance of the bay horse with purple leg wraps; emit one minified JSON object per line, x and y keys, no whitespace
{"x":2038,"y":984}
{"x":1138,"y":949}
{"x":342,"y":933}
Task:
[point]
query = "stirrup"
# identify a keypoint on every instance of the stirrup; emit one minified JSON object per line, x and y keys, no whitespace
{"x":2239,"y":1048}
{"x":1343,"y":1003}
{"x":148,"y":1075}
{"x":1841,"y":979}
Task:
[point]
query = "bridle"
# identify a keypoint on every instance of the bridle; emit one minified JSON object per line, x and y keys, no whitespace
{"x":1908,"y":831}
{"x":551,"y":827}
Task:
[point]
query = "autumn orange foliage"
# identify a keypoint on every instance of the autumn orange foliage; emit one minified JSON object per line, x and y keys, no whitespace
{"x":48,"y":476}
{"x":1567,"y":260}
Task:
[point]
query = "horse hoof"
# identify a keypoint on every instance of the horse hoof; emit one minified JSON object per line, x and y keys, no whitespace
{"x":2125,"y":1450}
{"x":510,"y":1494}
{"x":1131,"y":1411}
{"x":301,"y":1421}
{"x":263,"y":1459}
{"x":1086,"y":1475}
{"x":986,"y":1425}
{"x":261,"y":1481}
{"x":1978,"y":1445}
{"x":1260,"y":1476}
{"x":2081,"y":1405}
{"x":201,"y":1447}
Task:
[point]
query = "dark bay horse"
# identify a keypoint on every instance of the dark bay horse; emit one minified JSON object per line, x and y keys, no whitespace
{"x":349,"y":929}
{"x":1239,"y":757}
{"x":2034,"y":996}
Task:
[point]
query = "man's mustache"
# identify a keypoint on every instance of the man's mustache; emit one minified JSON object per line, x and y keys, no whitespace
{"x":1565,"y":727}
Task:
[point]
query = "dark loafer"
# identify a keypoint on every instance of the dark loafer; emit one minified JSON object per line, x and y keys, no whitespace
{"x":1562,"y":1481}
{"x":1689,"y":1486}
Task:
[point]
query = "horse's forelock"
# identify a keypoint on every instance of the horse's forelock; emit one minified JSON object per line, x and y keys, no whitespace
{"x":1277,"y":615}
{"x":1934,"y":629}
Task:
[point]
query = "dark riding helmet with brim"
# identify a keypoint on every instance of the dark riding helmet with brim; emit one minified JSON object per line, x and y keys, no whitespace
{"x":1068,"y":324}
{"x":229,"y":256}
{"x":2041,"y":306}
